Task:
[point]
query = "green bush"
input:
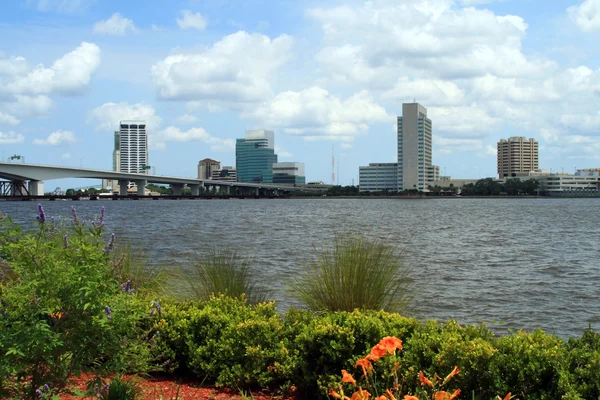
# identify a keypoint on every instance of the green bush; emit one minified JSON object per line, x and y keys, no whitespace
{"x":63,"y":309}
{"x":359,"y":272}
{"x":582,"y":374}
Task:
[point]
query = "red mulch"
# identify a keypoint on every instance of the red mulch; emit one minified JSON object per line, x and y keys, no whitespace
{"x":161,"y":388}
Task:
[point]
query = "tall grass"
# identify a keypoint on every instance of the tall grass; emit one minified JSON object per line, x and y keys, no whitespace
{"x":358,"y":272}
{"x":227,"y":273}
{"x":130,"y":265}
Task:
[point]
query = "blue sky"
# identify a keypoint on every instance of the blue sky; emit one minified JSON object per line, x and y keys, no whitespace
{"x":321,"y":74}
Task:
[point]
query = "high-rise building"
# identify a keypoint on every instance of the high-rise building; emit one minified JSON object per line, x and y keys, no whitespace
{"x":291,"y":173}
{"x":255,"y":156}
{"x":133,"y":148}
{"x":517,"y":155}
{"x":206,"y":168}
{"x":116,"y":157}
{"x":414,"y":147}
{"x":413,"y":169}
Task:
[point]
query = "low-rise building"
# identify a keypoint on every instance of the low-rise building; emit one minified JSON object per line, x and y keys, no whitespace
{"x":206,"y":168}
{"x":583,"y":183}
{"x":378,"y":176}
{"x":291,"y":173}
{"x":227,"y":173}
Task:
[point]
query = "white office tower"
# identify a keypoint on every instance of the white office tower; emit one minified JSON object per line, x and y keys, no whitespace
{"x":415,"y":170}
{"x":133,"y":148}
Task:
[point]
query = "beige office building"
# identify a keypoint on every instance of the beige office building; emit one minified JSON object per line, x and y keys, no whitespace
{"x":415,"y":170}
{"x":206,"y":168}
{"x":517,"y":155}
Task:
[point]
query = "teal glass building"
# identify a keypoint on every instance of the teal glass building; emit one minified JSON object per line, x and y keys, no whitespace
{"x":254,"y":160}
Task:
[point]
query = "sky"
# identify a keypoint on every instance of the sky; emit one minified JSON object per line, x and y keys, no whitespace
{"x":329,"y":77}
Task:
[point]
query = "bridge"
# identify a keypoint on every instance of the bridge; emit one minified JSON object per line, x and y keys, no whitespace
{"x":27,"y":180}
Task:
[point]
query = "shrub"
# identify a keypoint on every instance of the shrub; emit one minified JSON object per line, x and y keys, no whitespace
{"x":63,"y":310}
{"x":359,"y":272}
{"x":117,"y":388}
{"x":582,"y":373}
{"x":225,"y":273}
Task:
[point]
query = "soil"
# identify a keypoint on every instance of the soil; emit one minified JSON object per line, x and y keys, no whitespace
{"x":162,"y":388}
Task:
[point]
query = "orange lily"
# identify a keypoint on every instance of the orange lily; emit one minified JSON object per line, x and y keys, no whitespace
{"x":333,"y":393}
{"x":391,"y":344}
{"x":409,"y":397}
{"x":346,"y":377}
{"x":365,"y":364}
{"x":360,"y":395}
{"x":423,"y":379}
{"x":455,"y":394}
{"x":390,"y":395}
{"x":508,"y":396}
{"x":441,"y":396}
{"x":455,"y":371}
{"x":381,"y":398}
{"x":377,"y":352}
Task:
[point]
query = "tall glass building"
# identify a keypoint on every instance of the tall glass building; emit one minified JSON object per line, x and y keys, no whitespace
{"x":255,"y":156}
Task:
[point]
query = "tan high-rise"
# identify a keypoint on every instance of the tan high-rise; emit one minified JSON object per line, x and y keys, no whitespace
{"x":206,"y":168}
{"x":517,"y":155}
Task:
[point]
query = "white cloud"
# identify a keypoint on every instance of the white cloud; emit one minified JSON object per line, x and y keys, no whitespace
{"x":191,"y":20}
{"x":11,"y":138}
{"x":107,"y":116}
{"x":65,"y":156}
{"x":586,"y":123}
{"x":25,"y":106}
{"x":314,"y":113}
{"x":56,"y":138}
{"x":468,"y":3}
{"x":586,"y":15}
{"x":61,"y":6}
{"x":491,"y":150}
{"x":449,"y":145}
{"x":230,"y":74}
{"x":174,"y":134}
{"x":282,"y":153}
{"x":187,"y":119}
{"x":463,"y":121}
{"x":70,"y":74}
{"x":115,"y":25}
{"x":426,"y":91}
{"x":158,"y":28}
{"x":7,"y":119}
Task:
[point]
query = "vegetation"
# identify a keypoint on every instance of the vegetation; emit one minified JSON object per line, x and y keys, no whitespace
{"x":70,"y":302}
{"x":225,"y":272}
{"x":358,"y":272}
{"x":490,"y":187}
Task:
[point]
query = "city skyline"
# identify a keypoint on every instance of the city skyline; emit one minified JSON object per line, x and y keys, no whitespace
{"x":70,"y":70}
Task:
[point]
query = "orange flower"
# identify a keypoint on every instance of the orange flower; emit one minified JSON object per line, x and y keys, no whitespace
{"x":390,"y":395}
{"x":377,"y":352}
{"x":408,"y":397}
{"x":333,"y":393}
{"x":57,"y":315}
{"x":360,"y":395}
{"x":455,"y":371}
{"x":441,"y":396}
{"x":423,"y":379}
{"x":365,"y":364}
{"x":455,"y":394}
{"x":381,"y":398}
{"x":346,"y":377}
{"x":391,"y":344}
{"x":508,"y":396}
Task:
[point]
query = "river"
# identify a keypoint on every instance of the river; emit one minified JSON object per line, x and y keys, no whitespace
{"x":511,"y":263}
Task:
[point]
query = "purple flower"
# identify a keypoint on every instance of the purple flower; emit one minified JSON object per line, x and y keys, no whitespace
{"x":105,"y":388}
{"x":46,"y":387}
{"x":126,"y":287}
{"x":110,"y":244}
{"x":42,"y":214}
{"x":66,"y":241}
{"x":158,"y":309}
{"x":75,"y":217}
{"x":39,"y":393}
{"x":108,"y":312}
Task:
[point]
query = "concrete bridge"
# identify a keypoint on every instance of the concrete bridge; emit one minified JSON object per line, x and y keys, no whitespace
{"x":28,"y":180}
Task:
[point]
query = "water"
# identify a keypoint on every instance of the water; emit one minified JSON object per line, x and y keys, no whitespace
{"x":512,"y":263}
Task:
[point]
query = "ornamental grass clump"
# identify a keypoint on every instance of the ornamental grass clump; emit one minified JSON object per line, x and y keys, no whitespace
{"x":226,"y":273}
{"x":358,"y":272}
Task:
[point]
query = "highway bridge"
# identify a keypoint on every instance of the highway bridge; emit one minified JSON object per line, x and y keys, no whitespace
{"x":28,"y":180}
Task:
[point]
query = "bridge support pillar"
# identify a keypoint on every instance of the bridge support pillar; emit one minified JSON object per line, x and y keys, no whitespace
{"x":195,"y":189}
{"x":226,"y":190}
{"x":123,"y":187}
{"x":141,"y":187}
{"x":257,"y":192}
{"x":36,"y":188}
{"x":177,"y":188}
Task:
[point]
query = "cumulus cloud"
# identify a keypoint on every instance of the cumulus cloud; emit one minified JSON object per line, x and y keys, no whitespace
{"x":56,"y":138}
{"x":231,"y":73}
{"x":190,"y":20}
{"x":282,"y":153}
{"x":174,"y":134}
{"x":115,"y":25}
{"x":187,"y":119}
{"x":586,"y":15}
{"x":7,"y":119}
{"x":107,"y":116}
{"x":314,"y":112}
{"x":11,"y":138}
{"x":70,"y":74}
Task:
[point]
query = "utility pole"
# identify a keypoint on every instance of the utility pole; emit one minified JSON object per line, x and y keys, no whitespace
{"x":332,"y":165}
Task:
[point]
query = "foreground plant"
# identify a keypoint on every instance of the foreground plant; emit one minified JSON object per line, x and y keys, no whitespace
{"x":359,"y":272}
{"x":384,"y":354}
{"x":63,"y":306}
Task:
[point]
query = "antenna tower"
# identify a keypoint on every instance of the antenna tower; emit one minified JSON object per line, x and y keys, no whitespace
{"x":332,"y":165}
